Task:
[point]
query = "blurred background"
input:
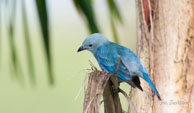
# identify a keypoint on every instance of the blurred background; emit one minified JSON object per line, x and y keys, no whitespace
{"x":40,"y":69}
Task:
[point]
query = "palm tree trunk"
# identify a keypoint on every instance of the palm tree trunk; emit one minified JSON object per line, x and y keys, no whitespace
{"x":166,"y":47}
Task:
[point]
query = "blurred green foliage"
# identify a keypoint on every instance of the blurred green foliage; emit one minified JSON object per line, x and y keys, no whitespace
{"x":28,"y":44}
{"x":114,"y":13}
{"x":41,"y":7}
{"x":85,"y":7}
{"x":44,"y":22}
{"x":16,"y":65}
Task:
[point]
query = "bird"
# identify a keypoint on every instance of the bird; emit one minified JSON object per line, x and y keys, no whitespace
{"x":108,"y":53}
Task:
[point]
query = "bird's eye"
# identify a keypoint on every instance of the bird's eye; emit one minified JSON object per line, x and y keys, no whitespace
{"x":90,"y":45}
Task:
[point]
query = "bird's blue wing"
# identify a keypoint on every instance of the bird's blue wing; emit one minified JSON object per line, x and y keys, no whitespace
{"x":107,"y":57}
{"x":131,"y":61}
{"x":134,"y":65}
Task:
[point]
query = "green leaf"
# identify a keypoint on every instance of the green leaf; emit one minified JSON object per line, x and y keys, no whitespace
{"x":114,"y":10}
{"x":114,"y":31}
{"x":86,"y":8}
{"x":28,"y":44}
{"x":43,"y":17}
{"x":11,"y":28}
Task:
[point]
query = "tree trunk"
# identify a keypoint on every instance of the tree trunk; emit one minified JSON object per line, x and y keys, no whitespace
{"x":165,"y":30}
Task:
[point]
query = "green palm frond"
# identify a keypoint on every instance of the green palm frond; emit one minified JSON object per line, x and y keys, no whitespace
{"x":44,"y":23}
{"x":114,"y":13}
{"x":10,"y":21}
{"x":113,"y":8}
{"x":28,"y":46}
{"x":114,"y":31}
{"x":14,"y":57}
{"x":86,"y":8}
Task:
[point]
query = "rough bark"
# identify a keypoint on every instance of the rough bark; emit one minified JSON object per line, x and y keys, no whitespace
{"x":166,"y":47}
{"x":101,"y":84}
{"x":96,"y":84}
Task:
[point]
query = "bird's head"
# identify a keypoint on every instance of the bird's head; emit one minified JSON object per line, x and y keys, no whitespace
{"x":92,"y":42}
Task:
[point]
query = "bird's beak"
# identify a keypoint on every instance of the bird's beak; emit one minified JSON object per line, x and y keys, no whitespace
{"x":80,"y":49}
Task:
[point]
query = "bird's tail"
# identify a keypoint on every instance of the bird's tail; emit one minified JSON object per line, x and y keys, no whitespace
{"x":146,"y":77}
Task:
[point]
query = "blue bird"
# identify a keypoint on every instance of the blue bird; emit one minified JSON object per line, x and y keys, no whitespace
{"x":107,"y":54}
